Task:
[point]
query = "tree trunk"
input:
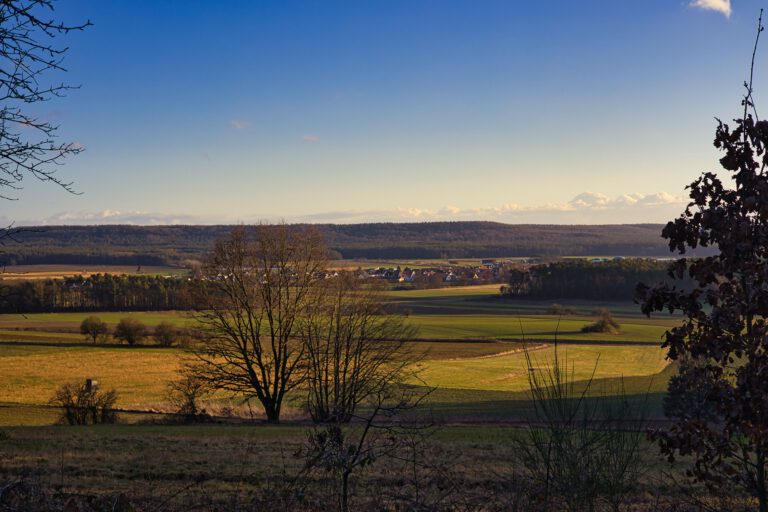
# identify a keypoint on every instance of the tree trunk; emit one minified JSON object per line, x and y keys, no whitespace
{"x":762,"y":492}
{"x":272,"y":410}
{"x":345,"y":491}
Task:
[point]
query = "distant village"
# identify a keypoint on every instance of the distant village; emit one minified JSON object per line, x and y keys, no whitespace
{"x":488,"y":271}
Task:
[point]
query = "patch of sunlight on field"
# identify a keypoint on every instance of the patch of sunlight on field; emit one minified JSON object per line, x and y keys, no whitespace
{"x":140,"y":376}
{"x":509,"y":373}
{"x":537,"y":327}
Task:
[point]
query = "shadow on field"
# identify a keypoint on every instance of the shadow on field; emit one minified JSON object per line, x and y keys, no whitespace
{"x":644,"y":393}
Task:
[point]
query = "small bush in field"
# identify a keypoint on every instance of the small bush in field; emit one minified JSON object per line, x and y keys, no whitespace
{"x":605,"y":323}
{"x":167,"y":334}
{"x":131,"y":331}
{"x":85,"y":404}
{"x":185,"y":395}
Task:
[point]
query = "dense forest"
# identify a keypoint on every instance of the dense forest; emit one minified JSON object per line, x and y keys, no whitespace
{"x":155,"y":245}
{"x":99,"y":292}
{"x":605,"y":280}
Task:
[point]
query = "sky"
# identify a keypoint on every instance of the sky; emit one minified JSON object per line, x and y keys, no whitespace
{"x":572,"y":112}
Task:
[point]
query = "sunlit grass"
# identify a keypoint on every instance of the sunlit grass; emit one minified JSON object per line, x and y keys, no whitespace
{"x":510,"y":373}
{"x":32,"y":374}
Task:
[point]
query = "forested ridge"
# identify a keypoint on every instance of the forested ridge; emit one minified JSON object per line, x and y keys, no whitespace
{"x":154,"y":245}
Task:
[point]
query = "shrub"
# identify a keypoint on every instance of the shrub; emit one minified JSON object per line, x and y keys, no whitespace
{"x":93,"y":328}
{"x":185,"y":395}
{"x":85,"y":404}
{"x":167,"y":334}
{"x":555,"y":309}
{"x":581,"y":447}
{"x":605,"y":323}
{"x":131,"y":331}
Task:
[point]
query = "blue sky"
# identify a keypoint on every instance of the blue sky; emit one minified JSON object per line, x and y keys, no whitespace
{"x":575,"y":111}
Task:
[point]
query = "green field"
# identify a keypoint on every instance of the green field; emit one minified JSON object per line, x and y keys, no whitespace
{"x":475,"y":361}
{"x":70,"y":322}
{"x":485,"y":299}
{"x":531,"y":328}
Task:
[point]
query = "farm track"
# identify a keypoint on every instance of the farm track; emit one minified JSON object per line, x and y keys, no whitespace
{"x":607,"y":343}
{"x":500,"y":354}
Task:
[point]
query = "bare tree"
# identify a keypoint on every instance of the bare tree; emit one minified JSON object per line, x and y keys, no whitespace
{"x":354,"y":349}
{"x":256,"y":285}
{"x":27,"y":143}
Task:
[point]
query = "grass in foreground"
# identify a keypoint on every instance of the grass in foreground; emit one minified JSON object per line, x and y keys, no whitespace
{"x":228,"y":467}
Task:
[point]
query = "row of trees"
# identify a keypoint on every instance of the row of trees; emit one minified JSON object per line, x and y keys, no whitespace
{"x":130,"y":331}
{"x":604,"y":280}
{"x":98,"y":292}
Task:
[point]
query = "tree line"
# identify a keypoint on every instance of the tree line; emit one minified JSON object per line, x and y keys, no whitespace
{"x":98,"y":292}
{"x":157,"y":245}
{"x":580,"y":279}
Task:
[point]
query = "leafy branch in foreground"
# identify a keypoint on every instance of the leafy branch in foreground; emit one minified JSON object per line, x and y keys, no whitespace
{"x":722,"y":343}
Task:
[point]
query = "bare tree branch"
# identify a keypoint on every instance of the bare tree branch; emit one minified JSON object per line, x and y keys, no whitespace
{"x":28,"y":145}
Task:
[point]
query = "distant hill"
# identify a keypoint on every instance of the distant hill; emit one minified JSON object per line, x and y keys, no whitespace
{"x":173,"y":244}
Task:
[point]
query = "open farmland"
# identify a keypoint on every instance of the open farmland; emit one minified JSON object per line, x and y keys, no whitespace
{"x":472,"y":359}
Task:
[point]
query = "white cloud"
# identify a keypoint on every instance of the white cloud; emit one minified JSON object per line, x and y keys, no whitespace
{"x":116,"y":217}
{"x":311,"y":138}
{"x":587,"y":207}
{"x":584,"y":208}
{"x":590,"y":200}
{"x":659,"y":198}
{"x":721,"y":6}
{"x":239,"y":124}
